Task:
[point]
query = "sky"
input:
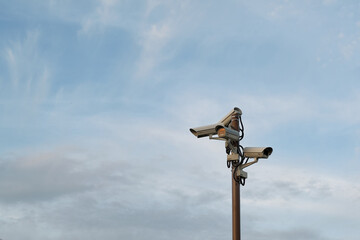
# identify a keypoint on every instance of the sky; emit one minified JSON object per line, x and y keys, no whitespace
{"x":97,"y":98}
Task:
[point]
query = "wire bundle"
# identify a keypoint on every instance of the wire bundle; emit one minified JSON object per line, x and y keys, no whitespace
{"x":240,"y":151}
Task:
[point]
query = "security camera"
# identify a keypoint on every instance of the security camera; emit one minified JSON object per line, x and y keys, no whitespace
{"x":224,"y":133}
{"x":257,"y":152}
{"x":205,"y":131}
{"x":221,"y":128}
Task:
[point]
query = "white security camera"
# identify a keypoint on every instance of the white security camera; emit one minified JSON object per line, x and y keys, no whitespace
{"x":223,"y":132}
{"x":205,"y":131}
{"x":257,"y":152}
{"x":221,"y":128}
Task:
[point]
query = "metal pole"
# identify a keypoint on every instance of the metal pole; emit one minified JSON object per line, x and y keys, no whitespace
{"x":235,"y":208}
{"x":235,"y":190}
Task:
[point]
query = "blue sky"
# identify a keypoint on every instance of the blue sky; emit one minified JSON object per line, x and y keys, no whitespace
{"x":97,"y":98}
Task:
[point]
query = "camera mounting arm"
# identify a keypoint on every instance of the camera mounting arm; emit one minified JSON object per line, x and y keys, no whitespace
{"x":249,"y":164}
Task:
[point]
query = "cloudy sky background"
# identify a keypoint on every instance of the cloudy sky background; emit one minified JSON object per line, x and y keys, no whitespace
{"x":97,"y":98}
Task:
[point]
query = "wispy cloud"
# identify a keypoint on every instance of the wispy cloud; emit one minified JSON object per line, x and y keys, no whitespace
{"x":112,"y":14}
{"x":157,"y":33}
{"x":349,"y":49}
{"x":103,"y":16}
{"x":28,"y":78}
{"x":153,"y":41}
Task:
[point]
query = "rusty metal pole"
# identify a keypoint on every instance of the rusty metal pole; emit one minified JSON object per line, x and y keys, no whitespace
{"x":236,"y":233}
{"x":235,"y":208}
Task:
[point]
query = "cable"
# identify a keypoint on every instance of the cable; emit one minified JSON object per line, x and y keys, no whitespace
{"x":242,"y":130}
{"x":228,"y":164}
{"x":240,"y":151}
{"x":242,"y":181}
{"x":234,"y":174}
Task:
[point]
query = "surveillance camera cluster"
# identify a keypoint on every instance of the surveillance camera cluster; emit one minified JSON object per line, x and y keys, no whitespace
{"x":228,"y":129}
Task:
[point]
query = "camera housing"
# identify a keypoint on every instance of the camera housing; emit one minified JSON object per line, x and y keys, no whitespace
{"x":257,"y":152}
{"x":220,"y":128}
{"x":205,"y":131}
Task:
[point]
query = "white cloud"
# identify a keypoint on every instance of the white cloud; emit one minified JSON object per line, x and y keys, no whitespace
{"x":12,"y":64}
{"x":281,"y":198}
{"x":103,"y":16}
{"x":153,"y":41}
{"x":272,"y":11}
{"x":152,"y":36}
{"x":128,"y":195}
{"x":275,"y":13}
{"x":277,"y":185}
{"x":349,"y":49}
{"x":329,"y":2}
{"x":266,"y":112}
{"x":155,"y":36}
{"x":29,"y":73}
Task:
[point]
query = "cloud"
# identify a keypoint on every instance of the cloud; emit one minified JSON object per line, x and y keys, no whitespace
{"x":329,"y":2}
{"x":265,"y":113}
{"x":296,"y":233}
{"x":80,"y":195}
{"x":153,"y":40}
{"x":111,"y":14}
{"x":164,"y":23}
{"x":151,"y":36}
{"x":349,"y":49}
{"x":25,"y":89}
{"x":44,"y":176}
{"x":28,"y":79}
{"x":293,"y":194}
{"x":103,"y":16}
{"x":120,"y":186}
